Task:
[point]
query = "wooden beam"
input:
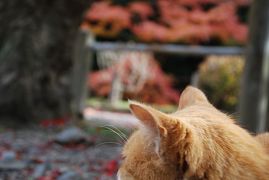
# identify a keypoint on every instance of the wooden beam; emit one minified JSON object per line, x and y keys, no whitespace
{"x":254,"y":90}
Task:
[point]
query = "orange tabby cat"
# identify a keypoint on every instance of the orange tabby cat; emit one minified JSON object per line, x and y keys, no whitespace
{"x":196,"y":142}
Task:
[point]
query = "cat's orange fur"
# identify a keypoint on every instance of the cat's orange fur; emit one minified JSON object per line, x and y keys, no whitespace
{"x":196,"y":142}
{"x":264,"y":139}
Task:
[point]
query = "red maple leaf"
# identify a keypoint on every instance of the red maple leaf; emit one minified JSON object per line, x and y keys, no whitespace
{"x":111,"y":167}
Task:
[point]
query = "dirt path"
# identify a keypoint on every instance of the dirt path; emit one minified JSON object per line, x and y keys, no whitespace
{"x":33,"y":154}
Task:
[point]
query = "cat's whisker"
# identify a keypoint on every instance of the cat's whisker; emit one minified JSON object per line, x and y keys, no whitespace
{"x":119,"y":131}
{"x":122,"y":137}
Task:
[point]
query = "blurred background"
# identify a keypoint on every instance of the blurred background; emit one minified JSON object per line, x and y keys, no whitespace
{"x":68,"y":69}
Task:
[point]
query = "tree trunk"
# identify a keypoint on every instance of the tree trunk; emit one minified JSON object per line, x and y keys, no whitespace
{"x":36,"y":46}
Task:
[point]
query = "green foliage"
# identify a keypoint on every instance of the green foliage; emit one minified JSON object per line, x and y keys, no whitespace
{"x":219,"y":78}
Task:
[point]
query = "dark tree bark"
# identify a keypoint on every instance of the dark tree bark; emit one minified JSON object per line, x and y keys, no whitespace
{"x":36,"y":46}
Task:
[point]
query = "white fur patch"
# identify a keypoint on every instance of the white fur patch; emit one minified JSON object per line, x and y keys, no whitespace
{"x":118,"y":176}
{"x":157,"y":145}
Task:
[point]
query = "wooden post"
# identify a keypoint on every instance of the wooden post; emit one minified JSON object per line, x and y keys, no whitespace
{"x":254,"y":89}
{"x":82,"y":64}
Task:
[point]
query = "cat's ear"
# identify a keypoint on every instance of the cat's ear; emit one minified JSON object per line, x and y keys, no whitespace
{"x":149,"y":117}
{"x":191,"y":96}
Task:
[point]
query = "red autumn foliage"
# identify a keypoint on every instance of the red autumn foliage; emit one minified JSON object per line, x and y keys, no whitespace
{"x":199,"y":26}
{"x":111,"y":167}
{"x":204,"y":2}
{"x":169,"y":10}
{"x":191,"y":33}
{"x":141,"y":8}
{"x":183,"y":21}
{"x":157,"y":87}
{"x":57,"y":122}
{"x":107,"y":20}
{"x":54,"y":174}
{"x":150,"y":31}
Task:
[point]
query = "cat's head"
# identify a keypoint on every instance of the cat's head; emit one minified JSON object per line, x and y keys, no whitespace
{"x":165,"y":144}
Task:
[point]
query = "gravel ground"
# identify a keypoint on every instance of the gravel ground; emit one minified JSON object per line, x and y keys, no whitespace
{"x":34,"y":154}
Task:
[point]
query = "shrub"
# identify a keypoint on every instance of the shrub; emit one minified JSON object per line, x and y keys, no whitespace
{"x":219,"y":77}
